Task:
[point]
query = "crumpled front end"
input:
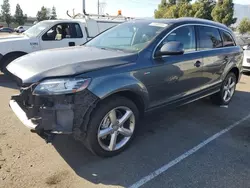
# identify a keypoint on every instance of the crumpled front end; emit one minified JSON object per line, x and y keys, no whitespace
{"x":57,"y":114}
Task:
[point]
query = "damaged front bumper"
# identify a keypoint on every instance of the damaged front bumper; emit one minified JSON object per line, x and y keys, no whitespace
{"x":22,"y":115}
{"x":58,"y":114}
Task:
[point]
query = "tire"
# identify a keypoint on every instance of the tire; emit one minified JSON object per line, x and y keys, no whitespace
{"x":8,"y":61}
{"x":97,"y":145}
{"x":219,"y":98}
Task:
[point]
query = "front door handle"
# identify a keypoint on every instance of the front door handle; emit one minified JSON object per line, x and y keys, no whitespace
{"x":72,"y":44}
{"x":197,"y":64}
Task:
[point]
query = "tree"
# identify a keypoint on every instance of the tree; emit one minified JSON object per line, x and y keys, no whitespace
{"x":43,"y":14}
{"x":174,"y":9}
{"x":244,"y":26}
{"x":53,"y":15}
{"x":223,"y":12}
{"x":203,"y":9}
{"x":172,"y":2}
{"x":19,"y":17}
{"x":185,"y":9}
{"x":172,"y":12}
{"x":5,"y":12}
{"x":161,"y":9}
{"x":183,"y":1}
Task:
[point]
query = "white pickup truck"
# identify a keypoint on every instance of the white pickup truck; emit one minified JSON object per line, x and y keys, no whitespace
{"x":51,"y":34}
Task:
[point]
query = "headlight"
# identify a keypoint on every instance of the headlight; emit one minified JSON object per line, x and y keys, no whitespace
{"x":61,"y":86}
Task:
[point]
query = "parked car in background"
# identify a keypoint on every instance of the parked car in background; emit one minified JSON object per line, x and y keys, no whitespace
{"x":53,"y":34}
{"x":6,"y":30}
{"x":21,"y":29}
{"x":98,"y":92}
{"x":244,"y":42}
{"x":246,"y":61}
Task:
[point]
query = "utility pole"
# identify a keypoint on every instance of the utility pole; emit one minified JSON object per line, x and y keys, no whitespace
{"x":98,"y":7}
{"x":101,"y":7}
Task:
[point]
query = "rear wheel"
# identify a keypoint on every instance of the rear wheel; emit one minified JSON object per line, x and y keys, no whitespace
{"x":227,"y":90}
{"x":112,"y":127}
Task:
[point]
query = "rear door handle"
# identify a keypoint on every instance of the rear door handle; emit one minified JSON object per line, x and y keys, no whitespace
{"x":72,"y":43}
{"x":197,"y":64}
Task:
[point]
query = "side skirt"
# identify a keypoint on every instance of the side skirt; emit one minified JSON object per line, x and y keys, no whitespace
{"x":188,"y":99}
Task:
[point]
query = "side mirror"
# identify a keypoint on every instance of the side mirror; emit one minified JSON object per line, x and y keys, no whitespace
{"x":171,"y":48}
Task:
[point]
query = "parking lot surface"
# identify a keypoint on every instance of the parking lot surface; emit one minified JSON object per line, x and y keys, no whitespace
{"x":27,"y":161}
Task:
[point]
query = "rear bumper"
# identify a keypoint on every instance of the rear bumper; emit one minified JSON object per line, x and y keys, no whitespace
{"x":22,"y":115}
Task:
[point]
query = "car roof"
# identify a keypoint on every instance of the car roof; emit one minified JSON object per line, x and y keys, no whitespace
{"x":185,"y":20}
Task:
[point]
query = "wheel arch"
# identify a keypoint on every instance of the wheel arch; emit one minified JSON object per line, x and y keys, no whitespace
{"x":10,"y":54}
{"x":236,"y":71}
{"x":134,"y":97}
{"x":126,"y":86}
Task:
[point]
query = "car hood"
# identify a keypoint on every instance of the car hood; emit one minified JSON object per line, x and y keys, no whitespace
{"x":36,"y":66}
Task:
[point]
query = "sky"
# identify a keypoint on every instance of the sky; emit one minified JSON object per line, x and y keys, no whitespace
{"x":132,"y":8}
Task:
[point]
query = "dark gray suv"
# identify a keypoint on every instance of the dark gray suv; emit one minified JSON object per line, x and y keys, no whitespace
{"x":97,"y":92}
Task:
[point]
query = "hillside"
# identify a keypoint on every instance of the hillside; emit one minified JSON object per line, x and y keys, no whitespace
{"x":241,"y":11}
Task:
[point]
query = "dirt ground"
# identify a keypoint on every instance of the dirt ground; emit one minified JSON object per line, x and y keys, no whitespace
{"x":26,"y":161}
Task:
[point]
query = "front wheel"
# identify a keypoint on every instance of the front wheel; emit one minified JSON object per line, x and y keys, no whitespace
{"x":112,"y":127}
{"x":227,"y":90}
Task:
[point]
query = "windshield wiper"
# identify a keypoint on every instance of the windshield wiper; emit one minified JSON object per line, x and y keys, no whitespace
{"x":112,"y":49}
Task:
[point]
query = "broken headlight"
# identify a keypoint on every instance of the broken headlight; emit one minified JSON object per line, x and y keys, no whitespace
{"x":61,"y":86}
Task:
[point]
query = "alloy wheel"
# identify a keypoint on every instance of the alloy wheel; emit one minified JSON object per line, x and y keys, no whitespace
{"x":116,"y":128}
{"x":229,"y":89}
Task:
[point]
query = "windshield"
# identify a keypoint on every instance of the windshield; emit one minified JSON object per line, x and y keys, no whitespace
{"x":35,"y":30}
{"x":130,"y":36}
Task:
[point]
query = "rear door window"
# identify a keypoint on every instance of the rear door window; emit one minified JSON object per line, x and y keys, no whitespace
{"x":209,"y":38}
{"x":227,"y":39}
{"x":76,"y":31}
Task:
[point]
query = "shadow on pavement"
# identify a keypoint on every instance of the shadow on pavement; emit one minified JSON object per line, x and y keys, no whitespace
{"x":163,"y":136}
{"x":5,"y":81}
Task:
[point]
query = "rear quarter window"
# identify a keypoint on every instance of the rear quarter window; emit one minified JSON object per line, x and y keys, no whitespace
{"x":227,"y":39}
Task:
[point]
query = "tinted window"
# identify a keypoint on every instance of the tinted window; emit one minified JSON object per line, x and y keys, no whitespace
{"x":209,"y":38}
{"x":227,"y":39}
{"x":77,"y":31}
{"x":185,"y":35}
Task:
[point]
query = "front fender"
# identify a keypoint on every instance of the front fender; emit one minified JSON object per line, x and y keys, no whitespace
{"x":103,"y":87}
